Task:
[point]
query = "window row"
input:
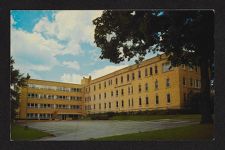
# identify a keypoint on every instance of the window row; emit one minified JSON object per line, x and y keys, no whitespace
{"x":130,"y":89}
{"x":58,"y":97}
{"x":38,"y":116}
{"x":184,"y":67}
{"x":147,"y":72}
{"x":193,"y":83}
{"x":52,"y":106}
{"x":131,"y":102}
{"x":55,"y":88}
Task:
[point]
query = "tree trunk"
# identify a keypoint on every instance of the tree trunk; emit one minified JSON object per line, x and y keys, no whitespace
{"x":205,"y":107}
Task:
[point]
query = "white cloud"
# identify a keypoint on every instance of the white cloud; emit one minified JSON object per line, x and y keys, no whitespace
{"x":76,"y":78}
{"x":32,"y":52}
{"x":71,"y":78}
{"x":106,"y":70}
{"x":110,"y":36}
{"x":72,"y":64}
{"x":72,"y":26}
{"x":72,"y":48}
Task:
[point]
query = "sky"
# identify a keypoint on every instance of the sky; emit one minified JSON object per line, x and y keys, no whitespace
{"x":58,"y":45}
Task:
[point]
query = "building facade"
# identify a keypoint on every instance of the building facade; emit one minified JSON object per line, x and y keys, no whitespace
{"x":150,"y":85}
{"x":50,"y":100}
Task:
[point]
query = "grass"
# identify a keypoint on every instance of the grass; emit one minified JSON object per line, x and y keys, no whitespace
{"x":191,"y":117}
{"x":19,"y":132}
{"x":190,"y":132}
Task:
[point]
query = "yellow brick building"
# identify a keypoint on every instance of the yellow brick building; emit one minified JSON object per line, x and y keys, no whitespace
{"x":151,"y":85}
{"x":50,"y":100}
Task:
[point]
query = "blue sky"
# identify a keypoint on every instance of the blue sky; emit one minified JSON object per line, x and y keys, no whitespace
{"x":58,"y":45}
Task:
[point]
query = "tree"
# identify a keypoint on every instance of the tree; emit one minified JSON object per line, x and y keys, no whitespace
{"x":17,"y":81}
{"x":186,"y":37}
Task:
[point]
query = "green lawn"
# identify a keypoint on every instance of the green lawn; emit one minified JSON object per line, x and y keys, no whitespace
{"x":191,"y":132}
{"x":191,"y":117}
{"x":18,"y":132}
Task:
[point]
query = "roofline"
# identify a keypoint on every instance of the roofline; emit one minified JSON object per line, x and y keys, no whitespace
{"x":128,"y":66}
{"x":53,"y":81}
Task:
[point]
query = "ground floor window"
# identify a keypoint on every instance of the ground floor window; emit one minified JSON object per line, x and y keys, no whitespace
{"x":157,"y":99}
{"x":168,"y":98}
{"x":139,"y":100}
{"x":146,"y":99}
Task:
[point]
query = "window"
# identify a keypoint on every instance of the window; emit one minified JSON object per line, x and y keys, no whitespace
{"x":156,"y":84}
{"x":183,"y":66}
{"x":117,"y":104}
{"x":116,"y":81}
{"x":109,"y":104}
{"x":128,"y":78}
{"x":184,"y":81}
{"x":99,"y":86}
{"x":133,"y":77}
{"x":128,"y":90}
{"x":132,"y":102}
{"x":185,"y":99}
{"x":129,"y":102}
{"x":99,"y":96}
{"x":146,"y":87}
{"x":94,"y":87}
{"x":122,"y":92}
{"x":94,"y":97}
{"x":139,"y":74}
{"x":146,"y":100}
{"x":132,"y":89}
{"x":166,"y":66}
{"x":105,"y":95}
{"x":104,"y":84}
{"x":157,"y":99}
{"x":105,"y":105}
{"x":196,"y":68}
{"x":99,"y":105}
{"x":116,"y":92}
{"x":139,"y":88}
{"x":156,"y":69}
{"x":168,"y":98}
{"x":121,"y":79}
{"x":111,"y":93}
{"x":122,"y":103}
{"x":197,"y":83}
{"x":139,"y":100}
{"x":94,"y":106}
{"x":150,"y":71}
{"x":191,"y":82}
{"x":146,"y":72}
{"x":167,"y":82}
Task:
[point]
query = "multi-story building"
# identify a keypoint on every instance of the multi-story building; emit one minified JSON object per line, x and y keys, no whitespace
{"x":50,"y":100}
{"x":150,"y":85}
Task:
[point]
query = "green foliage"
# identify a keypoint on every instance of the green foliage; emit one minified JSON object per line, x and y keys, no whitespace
{"x":19,"y":132}
{"x":17,"y":80}
{"x":186,"y":36}
{"x":149,"y":115}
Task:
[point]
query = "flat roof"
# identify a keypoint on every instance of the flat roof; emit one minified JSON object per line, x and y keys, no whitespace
{"x":54,"y":81}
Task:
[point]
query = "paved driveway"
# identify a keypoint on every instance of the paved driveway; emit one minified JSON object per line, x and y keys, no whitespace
{"x":82,"y":130}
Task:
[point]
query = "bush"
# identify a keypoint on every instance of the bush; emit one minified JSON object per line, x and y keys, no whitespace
{"x":108,"y":115}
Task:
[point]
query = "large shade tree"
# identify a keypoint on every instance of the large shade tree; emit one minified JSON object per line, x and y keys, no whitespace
{"x":186,"y":37}
{"x":16,"y":82}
